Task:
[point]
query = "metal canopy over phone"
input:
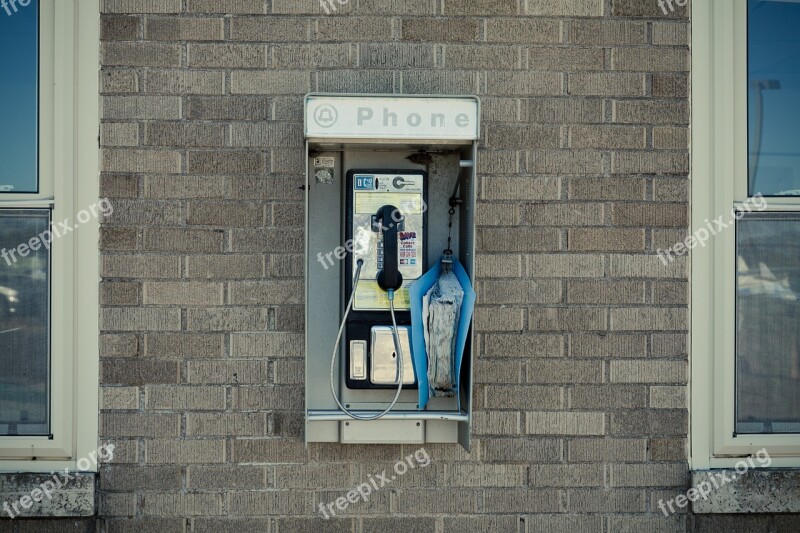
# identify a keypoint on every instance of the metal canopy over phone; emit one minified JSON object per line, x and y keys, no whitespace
{"x":381,"y":173}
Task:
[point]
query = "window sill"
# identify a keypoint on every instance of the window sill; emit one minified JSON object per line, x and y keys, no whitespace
{"x":755,"y":491}
{"x":73,"y":499}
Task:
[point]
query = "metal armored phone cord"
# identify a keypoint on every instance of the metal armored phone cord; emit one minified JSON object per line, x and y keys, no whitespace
{"x":397,"y":346}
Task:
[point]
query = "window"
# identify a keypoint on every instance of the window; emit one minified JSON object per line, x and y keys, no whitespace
{"x":48,"y":278}
{"x":746,"y":280}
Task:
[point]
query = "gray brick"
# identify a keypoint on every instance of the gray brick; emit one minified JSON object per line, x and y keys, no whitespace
{"x":665,"y":397}
{"x":183,"y":240}
{"x":606,"y":240}
{"x":440,"y":29}
{"x":564,"y":423}
{"x":499,"y":266}
{"x":165,"y":504}
{"x":564,"y":214}
{"x":266,"y":292}
{"x":495,"y":423}
{"x":670,"y":33}
{"x":138,"y":372}
{"x":121,"y":345}
{"x":277,"y":135}
{"x":519,"y":291}
{"x":607,"y":84}
{"x":565,"y":161}
{"x":566,"y":475}
{"x":607,"y":32}
{"x":498,"y":319}
{"x":119,"y":239}
{"x":269,"y":82}
{"x":562,"y":110}
{"x":271,"y":344}
{"x":566,"y":319}
{"x":650,"y":423}
{"x":653,"y":524}
{"x":502,"y":83}
{"x":183,"y":293}
{"x":126,"y":160}
{"x":240,"y":424}
{"x":139,"y":319}
{"x":647,"y":266}
{"x":120,"y":293}
{"x":669,"y":345}
{"x":227,"y":55}
{"x":188,"y":187}
{"x":606,"y":501}
{"x":607,"y":345}
{"x":226,"y":319}
{"x":644,"y":371}
{"x":139,"y":425}
{"x":660,"y":475}
{"x":174,"y":398}
{"x":482,"y":57}
{"x":235,"y":214}
{"x":564,"y":265}
{"x":270,"y":29}
{"x":356,"y":81}
{"x":564,"y":371}
{"x":132,"y":478}
{"x":607,"y":450}
{"x":228,"y":371}
{"x":520,"y":30}
{"x":524,"y":136}
{"x":670,"y":86}
{"x":518,"y":239}
{"x":141,"y":6}
{"x":557,"y":8}
{"x":119,"y":134}
{"x":564,"y":59}
{"x":395,"y":56}
{"x":140,"y":266}
{"x":652,"y":59}
{"x":481,"y":7}
{"x":650,"y":214}
{"x":605,"y":292}
{"x":118,"y":81}
{"x":607,"y":136}
{"x":119,"y":398}
{"x":267,"y":240}
{"x":650,"y":112}
{"x":141,"y":107}
{"x":520,"y":188}
{"x":607,"y":189}
{"x":141,"y":54}
{"x":354,"y":29}
{"x":519,"y":345}
{"x":226,"y":477}
{"x":184,"y":29}
{"x":634,"y":8}
{"x":650,"y":162}
{"x":119,"y":28}
{"x":233,"y":266}
{"x":182,"y":135}
{"x":273,"y":450}
{"x":226,"y":6}
{"x":640,"y":319}
{"x":607,"y":396}
{"x":524,"y":449}
{"x":522,"y":397}
{"x":227,"y":162}
{"x":183,"y":82}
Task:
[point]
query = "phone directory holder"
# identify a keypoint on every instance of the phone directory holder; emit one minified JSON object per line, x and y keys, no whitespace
{"x":381,"y":171}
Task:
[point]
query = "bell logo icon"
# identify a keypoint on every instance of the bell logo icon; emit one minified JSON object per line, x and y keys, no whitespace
{"x":326,"y":116}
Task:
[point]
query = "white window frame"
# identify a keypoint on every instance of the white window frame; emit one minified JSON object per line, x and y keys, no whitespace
{"x":719,"y":182}
{"x":69,"y":182}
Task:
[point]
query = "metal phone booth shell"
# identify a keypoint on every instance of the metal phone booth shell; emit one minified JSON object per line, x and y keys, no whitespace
{"x":422,"y":137}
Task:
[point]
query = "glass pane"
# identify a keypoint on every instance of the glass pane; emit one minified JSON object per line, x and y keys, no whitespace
{"x":768,"y":323}
{"x":24,"y":323}
{"x":774,"y":97}
{"x":19,"y":96}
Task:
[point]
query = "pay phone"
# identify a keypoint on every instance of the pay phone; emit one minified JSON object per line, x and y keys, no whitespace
{"x":382,"y":179}
{"x":386,"y":230}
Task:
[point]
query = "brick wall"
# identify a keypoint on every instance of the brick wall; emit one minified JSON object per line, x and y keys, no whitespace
{"x":580,"y":371}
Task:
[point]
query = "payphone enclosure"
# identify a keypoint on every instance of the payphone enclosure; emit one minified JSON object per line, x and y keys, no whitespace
{"x":363,"y":153}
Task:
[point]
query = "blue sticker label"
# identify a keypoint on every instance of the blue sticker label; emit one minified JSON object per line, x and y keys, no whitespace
{"x":364,"y":183}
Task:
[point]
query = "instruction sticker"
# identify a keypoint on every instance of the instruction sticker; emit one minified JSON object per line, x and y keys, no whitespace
{"x":369,"y":295}
{"x":407,"y":203}
{"x":324,"y":162}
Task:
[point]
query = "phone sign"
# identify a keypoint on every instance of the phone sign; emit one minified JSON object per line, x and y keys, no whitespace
{"x":364,"y":183}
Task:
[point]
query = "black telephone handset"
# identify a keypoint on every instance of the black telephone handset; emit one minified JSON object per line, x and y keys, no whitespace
{"x":389,"y":220}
